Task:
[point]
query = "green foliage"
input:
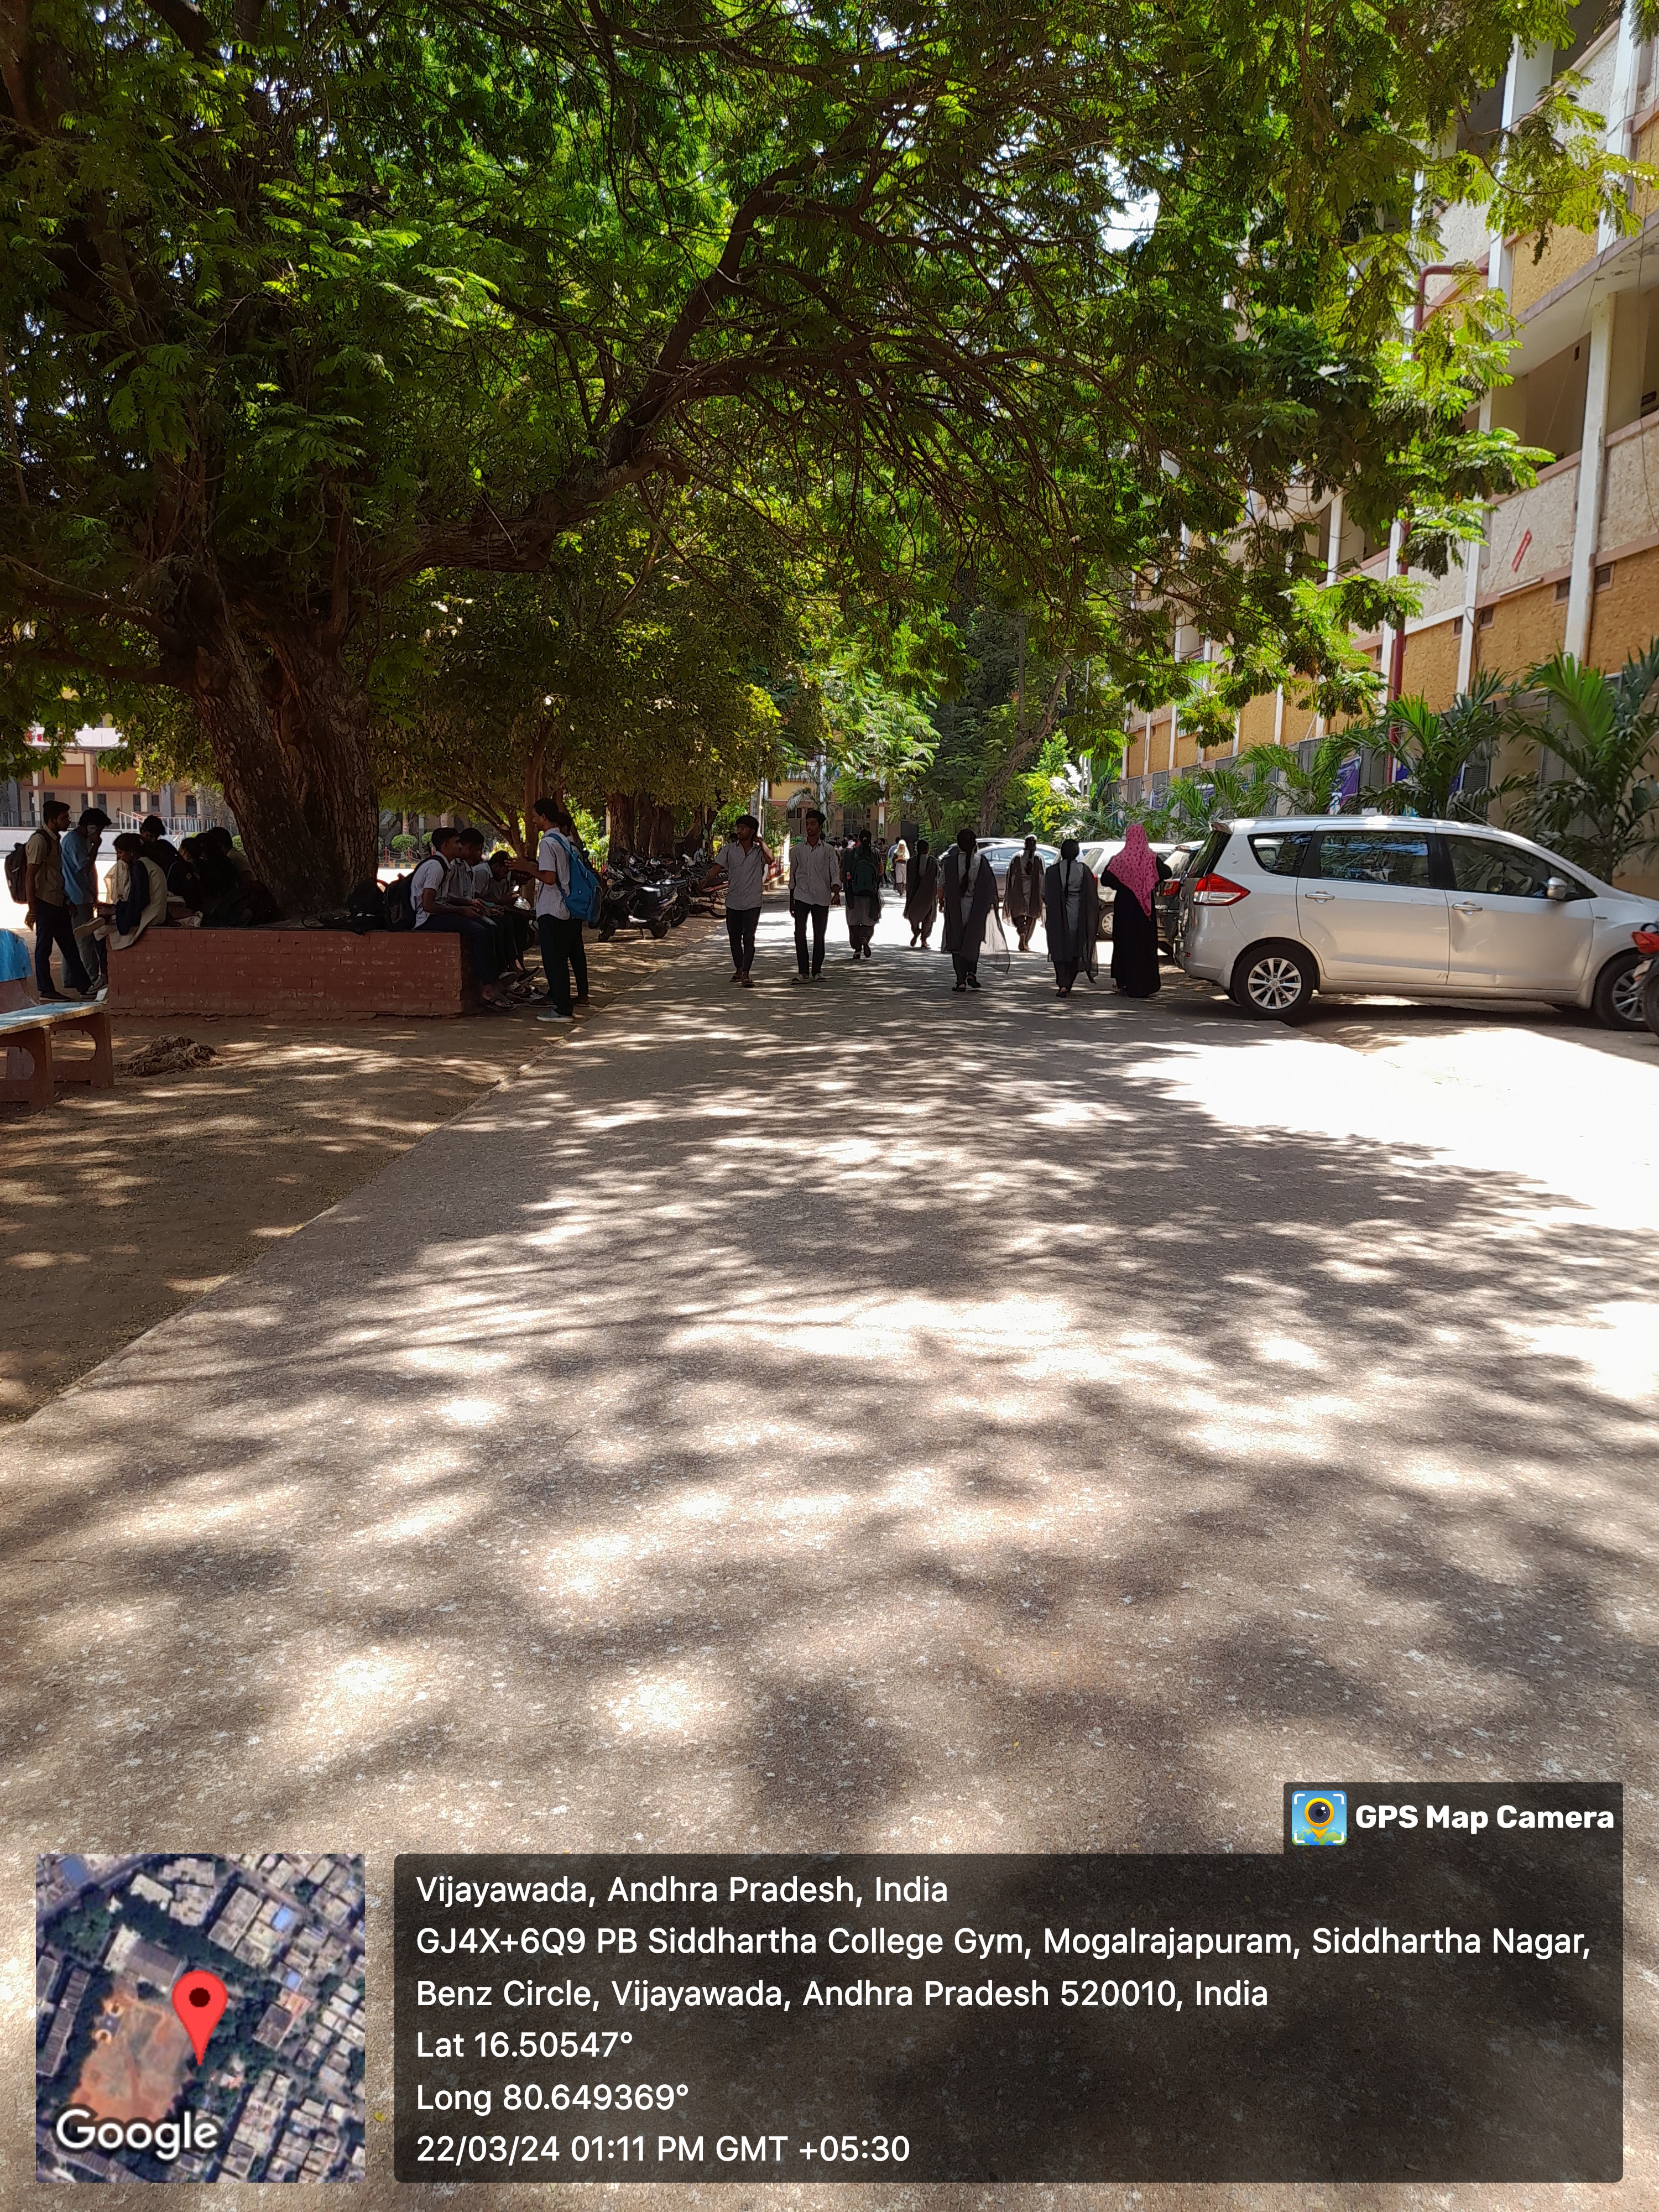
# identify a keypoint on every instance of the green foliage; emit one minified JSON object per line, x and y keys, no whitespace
{"x":634,"y":664}
{"x":880,"y":743}
{"x":307,"y":312}
{"x":1603,"y":812}
{"x":1446,"y":756}
{"x":1314,"y":788}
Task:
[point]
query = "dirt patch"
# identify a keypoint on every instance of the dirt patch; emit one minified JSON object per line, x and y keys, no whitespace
{"x":121,"y":1205}
{"x":139,"y":2057}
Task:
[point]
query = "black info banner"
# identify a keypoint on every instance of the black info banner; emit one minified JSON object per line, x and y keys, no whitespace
{"x":1425,"y":1985}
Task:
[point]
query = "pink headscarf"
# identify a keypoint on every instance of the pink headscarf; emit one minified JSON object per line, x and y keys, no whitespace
{"x":1136,"y":866}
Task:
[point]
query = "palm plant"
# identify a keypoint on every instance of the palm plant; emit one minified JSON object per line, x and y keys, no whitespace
{"x":1219,"y":791}
{"x":1441,"y":759}
{"x":1604,"y":730}
{"x":1315,"y":788}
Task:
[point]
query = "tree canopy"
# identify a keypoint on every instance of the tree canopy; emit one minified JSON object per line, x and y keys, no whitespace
{"x":309,"y":316}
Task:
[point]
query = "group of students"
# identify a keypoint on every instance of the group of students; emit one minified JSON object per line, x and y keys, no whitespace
{"x":206,"y":880}
{"x":457,"y":890}
{"x":959,"y":886}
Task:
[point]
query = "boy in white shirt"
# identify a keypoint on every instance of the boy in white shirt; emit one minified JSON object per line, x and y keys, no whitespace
{"x":433,"y":910}
{"x":745,"y":862}
{"x":814,"y":874}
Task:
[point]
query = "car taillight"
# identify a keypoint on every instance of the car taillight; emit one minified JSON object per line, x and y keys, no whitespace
{"x":1218,"y":891}
{"x":1645,"y":940}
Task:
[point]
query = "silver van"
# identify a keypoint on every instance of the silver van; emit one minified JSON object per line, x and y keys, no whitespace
{"x":1275,"y":910}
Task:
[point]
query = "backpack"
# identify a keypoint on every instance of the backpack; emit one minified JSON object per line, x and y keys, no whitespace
{"x":400,"y":906}
{"x":17,"y":871}
{"x":586,"y":896}
{"x":365,"y":904}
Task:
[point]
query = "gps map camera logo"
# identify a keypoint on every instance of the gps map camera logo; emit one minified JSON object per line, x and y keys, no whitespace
{"x":1319,"y":1816}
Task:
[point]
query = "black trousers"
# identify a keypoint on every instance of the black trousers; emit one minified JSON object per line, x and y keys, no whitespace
{"x":740,"y":928}
{"x":820,"y":917}
{"x":966,"y":965}
{"x":561,"y":940}
{"x":55,"y":925}
{"x":480,"y":936}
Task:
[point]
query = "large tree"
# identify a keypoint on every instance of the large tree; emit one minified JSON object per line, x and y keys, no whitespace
{"x":300,"y":304}
{"x":635,"y":674}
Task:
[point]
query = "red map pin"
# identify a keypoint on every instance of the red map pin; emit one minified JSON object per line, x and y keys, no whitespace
{"x":200,"y":1999}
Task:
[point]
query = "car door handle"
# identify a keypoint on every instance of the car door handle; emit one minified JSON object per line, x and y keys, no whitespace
{"x":1468,"y":909}
{"x":1319,"y":898}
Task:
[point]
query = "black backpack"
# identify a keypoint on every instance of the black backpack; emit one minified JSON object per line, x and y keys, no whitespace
{"x":365,"y":904}
{"x":17,"y":871}
{"x":400,"y":906}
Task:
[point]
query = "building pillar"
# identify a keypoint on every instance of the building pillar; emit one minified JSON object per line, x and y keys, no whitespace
{"x":1592,"y":469}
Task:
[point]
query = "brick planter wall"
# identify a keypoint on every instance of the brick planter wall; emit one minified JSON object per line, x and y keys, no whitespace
{"x":308,"y":974}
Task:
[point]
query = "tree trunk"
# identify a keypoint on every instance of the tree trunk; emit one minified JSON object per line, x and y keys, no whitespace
{"x":290,"y":750}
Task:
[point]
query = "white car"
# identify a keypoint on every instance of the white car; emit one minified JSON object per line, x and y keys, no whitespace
{"x":1276,"y":909}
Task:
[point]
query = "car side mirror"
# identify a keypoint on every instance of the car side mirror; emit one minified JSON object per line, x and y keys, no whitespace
{"x":1557,"y":889}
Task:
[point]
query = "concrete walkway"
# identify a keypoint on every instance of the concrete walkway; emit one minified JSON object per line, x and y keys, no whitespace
{"x":861,"y":1416}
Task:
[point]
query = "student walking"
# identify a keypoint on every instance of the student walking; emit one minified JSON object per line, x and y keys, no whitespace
{"x":863,"y":897}
{"x":1137,"y":872}
{"x":968,"y":894}
{"x":745,"y":862}
{"x":47,"y":909}
{"x":1022,"y":893}
{"x":921,"y":896}
{"x":1072,"y":918}
{"x":814,"y":878}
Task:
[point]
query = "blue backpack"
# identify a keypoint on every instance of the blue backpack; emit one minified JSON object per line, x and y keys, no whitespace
{"x":587,"y":894}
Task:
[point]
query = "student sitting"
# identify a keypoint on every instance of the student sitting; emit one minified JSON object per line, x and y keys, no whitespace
{"x":141,"y":894}
{"x":493,"y":886}
{"x":223,"y":844}
{"x":434,"y":908}
{"x":474,"y":878}
{"x":208,"y":889}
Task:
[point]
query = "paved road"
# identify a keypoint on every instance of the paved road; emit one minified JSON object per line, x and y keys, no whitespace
{"x":862,"y":1417}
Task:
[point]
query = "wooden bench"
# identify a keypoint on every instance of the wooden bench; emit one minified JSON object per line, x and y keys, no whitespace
{"x":31,"y":1028}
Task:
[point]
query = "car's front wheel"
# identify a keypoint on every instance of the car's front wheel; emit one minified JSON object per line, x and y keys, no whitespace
{"x":1617,"y":1000}
{"x":1274,"y":983}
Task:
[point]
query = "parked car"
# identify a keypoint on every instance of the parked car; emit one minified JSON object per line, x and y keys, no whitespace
{"x":1276,"y":909}
{"x":1166,"y":906}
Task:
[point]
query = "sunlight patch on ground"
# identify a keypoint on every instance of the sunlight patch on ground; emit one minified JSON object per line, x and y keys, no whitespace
{"x":1615,"y":1346}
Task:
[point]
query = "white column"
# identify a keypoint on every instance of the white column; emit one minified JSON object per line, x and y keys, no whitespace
{"x":1333,"y":541}
{"x":1391,"y":569}
{"x":1621,"y":107}
{"x":1472,"y":558}
{"x":1592,"y":465}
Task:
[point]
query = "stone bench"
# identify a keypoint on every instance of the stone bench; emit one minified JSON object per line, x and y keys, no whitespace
{"x":32,"y":1029}
{"x":300,"y":974}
